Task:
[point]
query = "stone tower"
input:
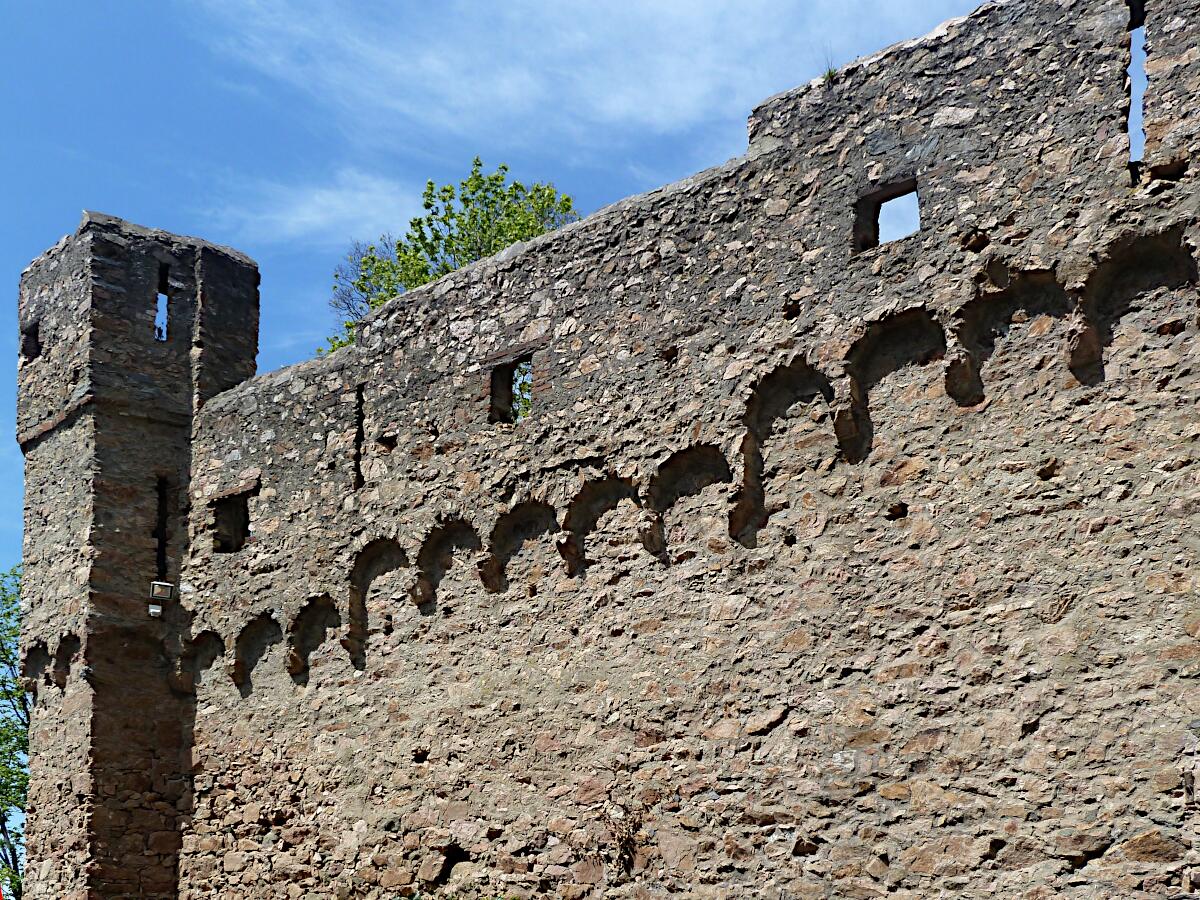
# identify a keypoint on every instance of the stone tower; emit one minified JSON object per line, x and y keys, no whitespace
{"x":125,"y":333}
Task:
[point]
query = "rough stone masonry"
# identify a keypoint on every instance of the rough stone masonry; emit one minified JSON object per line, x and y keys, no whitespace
{"x":822,"y":567}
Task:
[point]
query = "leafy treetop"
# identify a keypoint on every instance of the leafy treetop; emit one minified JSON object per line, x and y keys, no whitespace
{"x":480,"y":217}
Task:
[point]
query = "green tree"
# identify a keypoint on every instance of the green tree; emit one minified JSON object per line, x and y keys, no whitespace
{"x":480,"y":217}
{"x":14,"y":737}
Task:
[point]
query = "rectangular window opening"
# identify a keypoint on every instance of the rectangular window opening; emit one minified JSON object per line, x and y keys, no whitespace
{"x":1135,"y":121}
{"x":31,"y":341}
{"x":162,"y":528}
{"x":162,"y":312}
{"x":886,"y":215}
{"x":231,"y":519}
{"x":511,"y":391}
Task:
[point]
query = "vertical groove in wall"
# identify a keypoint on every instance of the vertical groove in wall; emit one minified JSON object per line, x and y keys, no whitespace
{"x":162,"y":528}
{"x":359,"y":435}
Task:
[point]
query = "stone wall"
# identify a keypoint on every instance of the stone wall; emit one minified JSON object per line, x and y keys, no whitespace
{"x":818,"y":569}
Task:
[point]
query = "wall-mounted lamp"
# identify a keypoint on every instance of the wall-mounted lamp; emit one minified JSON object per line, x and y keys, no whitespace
{"x":159,"y":592}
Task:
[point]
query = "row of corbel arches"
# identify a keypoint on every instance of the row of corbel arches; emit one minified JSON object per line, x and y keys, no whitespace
{"x":899,"y":339}
{"x":684,"y":473}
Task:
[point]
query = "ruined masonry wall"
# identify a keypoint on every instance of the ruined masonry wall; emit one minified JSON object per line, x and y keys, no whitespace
{"x":814,"y":572}
{"x":964,"y":663}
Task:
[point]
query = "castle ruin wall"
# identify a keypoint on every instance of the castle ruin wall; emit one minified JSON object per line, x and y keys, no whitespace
{"x":820,"y":567}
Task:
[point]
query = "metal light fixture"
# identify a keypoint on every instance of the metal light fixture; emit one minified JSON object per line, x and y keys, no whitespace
{"x":159,"y":592}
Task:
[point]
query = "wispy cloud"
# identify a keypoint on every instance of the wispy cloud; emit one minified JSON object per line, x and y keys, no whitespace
{"x":532,"y":70}
{"x":316,"y":214}
{"x":655,"y":89}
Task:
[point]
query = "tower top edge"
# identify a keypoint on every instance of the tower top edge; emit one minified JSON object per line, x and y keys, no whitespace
{"x":104,"y":222}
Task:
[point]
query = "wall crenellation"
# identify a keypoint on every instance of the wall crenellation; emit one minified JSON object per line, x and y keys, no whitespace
{"x":820,"y":566}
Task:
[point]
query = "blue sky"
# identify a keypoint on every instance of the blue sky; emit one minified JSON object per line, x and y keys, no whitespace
{"x":286,"y":128}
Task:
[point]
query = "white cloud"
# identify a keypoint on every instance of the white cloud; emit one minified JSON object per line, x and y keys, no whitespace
{"x":328,"y":213}
{"x":529,"y":71}
{"x":599,"y":84}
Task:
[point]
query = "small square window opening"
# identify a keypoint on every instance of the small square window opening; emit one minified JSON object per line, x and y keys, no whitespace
{"x":511,"y":390}
{"x":885,"y":215}
{"x":231,"y":517}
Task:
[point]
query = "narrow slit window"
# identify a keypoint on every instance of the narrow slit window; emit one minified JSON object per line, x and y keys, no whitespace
{"x":162,"y":528}
{"x":1137,"y":86}
{"x":512,"y":390}
{"x":162,"y":308}
{"x":885,"y":215}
